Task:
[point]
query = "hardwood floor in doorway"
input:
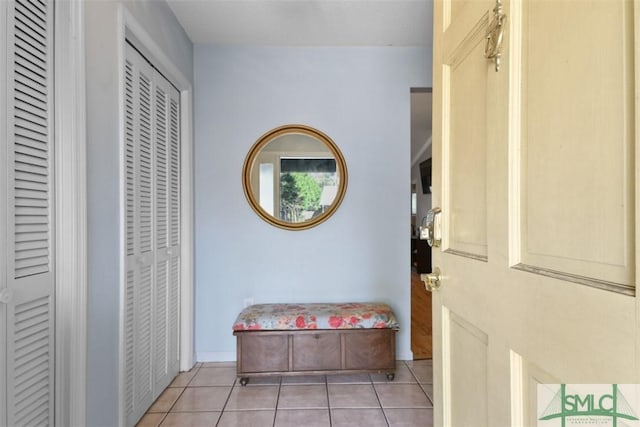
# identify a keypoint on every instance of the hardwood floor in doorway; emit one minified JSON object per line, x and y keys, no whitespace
{"x":421,"y":334}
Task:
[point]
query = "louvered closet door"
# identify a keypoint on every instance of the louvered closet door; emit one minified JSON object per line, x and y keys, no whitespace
{"x":139,"y":236}
{"x":28,"y":302}
{"x":152,"y":215}
{"x":167,"y":230}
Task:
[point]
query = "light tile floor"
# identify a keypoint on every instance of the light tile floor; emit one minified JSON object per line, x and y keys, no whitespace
{"x":210,"y":395}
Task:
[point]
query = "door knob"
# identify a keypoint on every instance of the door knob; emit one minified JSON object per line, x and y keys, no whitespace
{"x":6,"y":296}
{"x":431,"y":280}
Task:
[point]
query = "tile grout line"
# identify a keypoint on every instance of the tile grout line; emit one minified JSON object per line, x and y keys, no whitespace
{"x":172,"y":405}
{"x":194,"y":375}
{"x":425,"y":392}
{"x":326,"y":389}
{"x":421,"y":384}
{"x":166,"y":414}
{"x":162,"y":420}
{"x":197,"y":369}
{"x":233,"y":386}
{"x":275,"y":412}
{"x":375,"y":390}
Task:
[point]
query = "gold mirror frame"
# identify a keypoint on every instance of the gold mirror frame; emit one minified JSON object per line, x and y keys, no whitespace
{"x":256,"y":149}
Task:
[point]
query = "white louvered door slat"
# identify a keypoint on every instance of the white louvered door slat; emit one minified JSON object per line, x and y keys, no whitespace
{"x":29,"y":213}
{"x":151,"y":167}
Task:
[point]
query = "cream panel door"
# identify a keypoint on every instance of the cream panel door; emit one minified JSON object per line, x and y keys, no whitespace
{"x":553,"y":205}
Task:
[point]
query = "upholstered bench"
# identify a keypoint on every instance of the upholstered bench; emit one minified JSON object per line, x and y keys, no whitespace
{"x":305,"y":339}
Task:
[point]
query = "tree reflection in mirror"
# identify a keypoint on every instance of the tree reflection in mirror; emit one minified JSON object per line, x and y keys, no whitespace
{"x":307,"y":187}
{"x":294,"y":177}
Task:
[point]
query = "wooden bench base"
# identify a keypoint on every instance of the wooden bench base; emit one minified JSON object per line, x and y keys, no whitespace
{"x":310,"y":352}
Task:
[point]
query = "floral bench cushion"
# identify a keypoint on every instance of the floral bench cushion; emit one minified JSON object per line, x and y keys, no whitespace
{"x":316,"y":316}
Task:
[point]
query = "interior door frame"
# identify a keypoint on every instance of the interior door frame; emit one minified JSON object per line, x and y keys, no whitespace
{"x":131,"y":29}
{"x":70,"y":189}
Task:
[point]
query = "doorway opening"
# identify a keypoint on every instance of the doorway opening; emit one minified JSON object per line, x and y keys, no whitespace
{"x":421,"y":334}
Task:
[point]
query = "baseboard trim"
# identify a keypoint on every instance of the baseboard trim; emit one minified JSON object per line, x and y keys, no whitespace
{"x":216,"y":356}
{"x":206,"y":356}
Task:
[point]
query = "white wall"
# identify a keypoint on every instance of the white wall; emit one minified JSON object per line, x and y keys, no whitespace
{"x":360,"y":97}
{"x":103,"y":53}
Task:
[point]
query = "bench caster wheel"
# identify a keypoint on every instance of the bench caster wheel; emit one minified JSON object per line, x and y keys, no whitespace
{"x":391,"y":376}
{"x":244,"y":381}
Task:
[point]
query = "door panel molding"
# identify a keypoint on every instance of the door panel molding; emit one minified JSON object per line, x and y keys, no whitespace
{"x":468,"y":364}
{"x":464,"y":254}
{"x":445,"y":336}
{"x":539,"y":188}
{"x":532,"y":377}
{"x":465,"y":208}
{"x":582,"y":280}
{"x":518,"y":400}
{"x":474,"y":36}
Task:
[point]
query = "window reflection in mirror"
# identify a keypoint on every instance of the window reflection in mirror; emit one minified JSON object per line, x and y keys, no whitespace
{"x":294,"y":177}
{"x":298,"y":178}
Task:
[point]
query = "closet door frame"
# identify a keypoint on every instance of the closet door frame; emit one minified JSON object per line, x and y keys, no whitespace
{"x":71,"y":214}
{"x":131,"y":29}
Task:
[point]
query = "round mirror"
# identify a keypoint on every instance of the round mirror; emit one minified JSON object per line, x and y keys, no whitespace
{"x":294,"y":177}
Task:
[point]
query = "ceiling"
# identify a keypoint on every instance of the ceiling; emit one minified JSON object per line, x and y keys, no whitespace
{"x":306,"y":22}
{"x":317,"y":23}
{"x":420,"y":123}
